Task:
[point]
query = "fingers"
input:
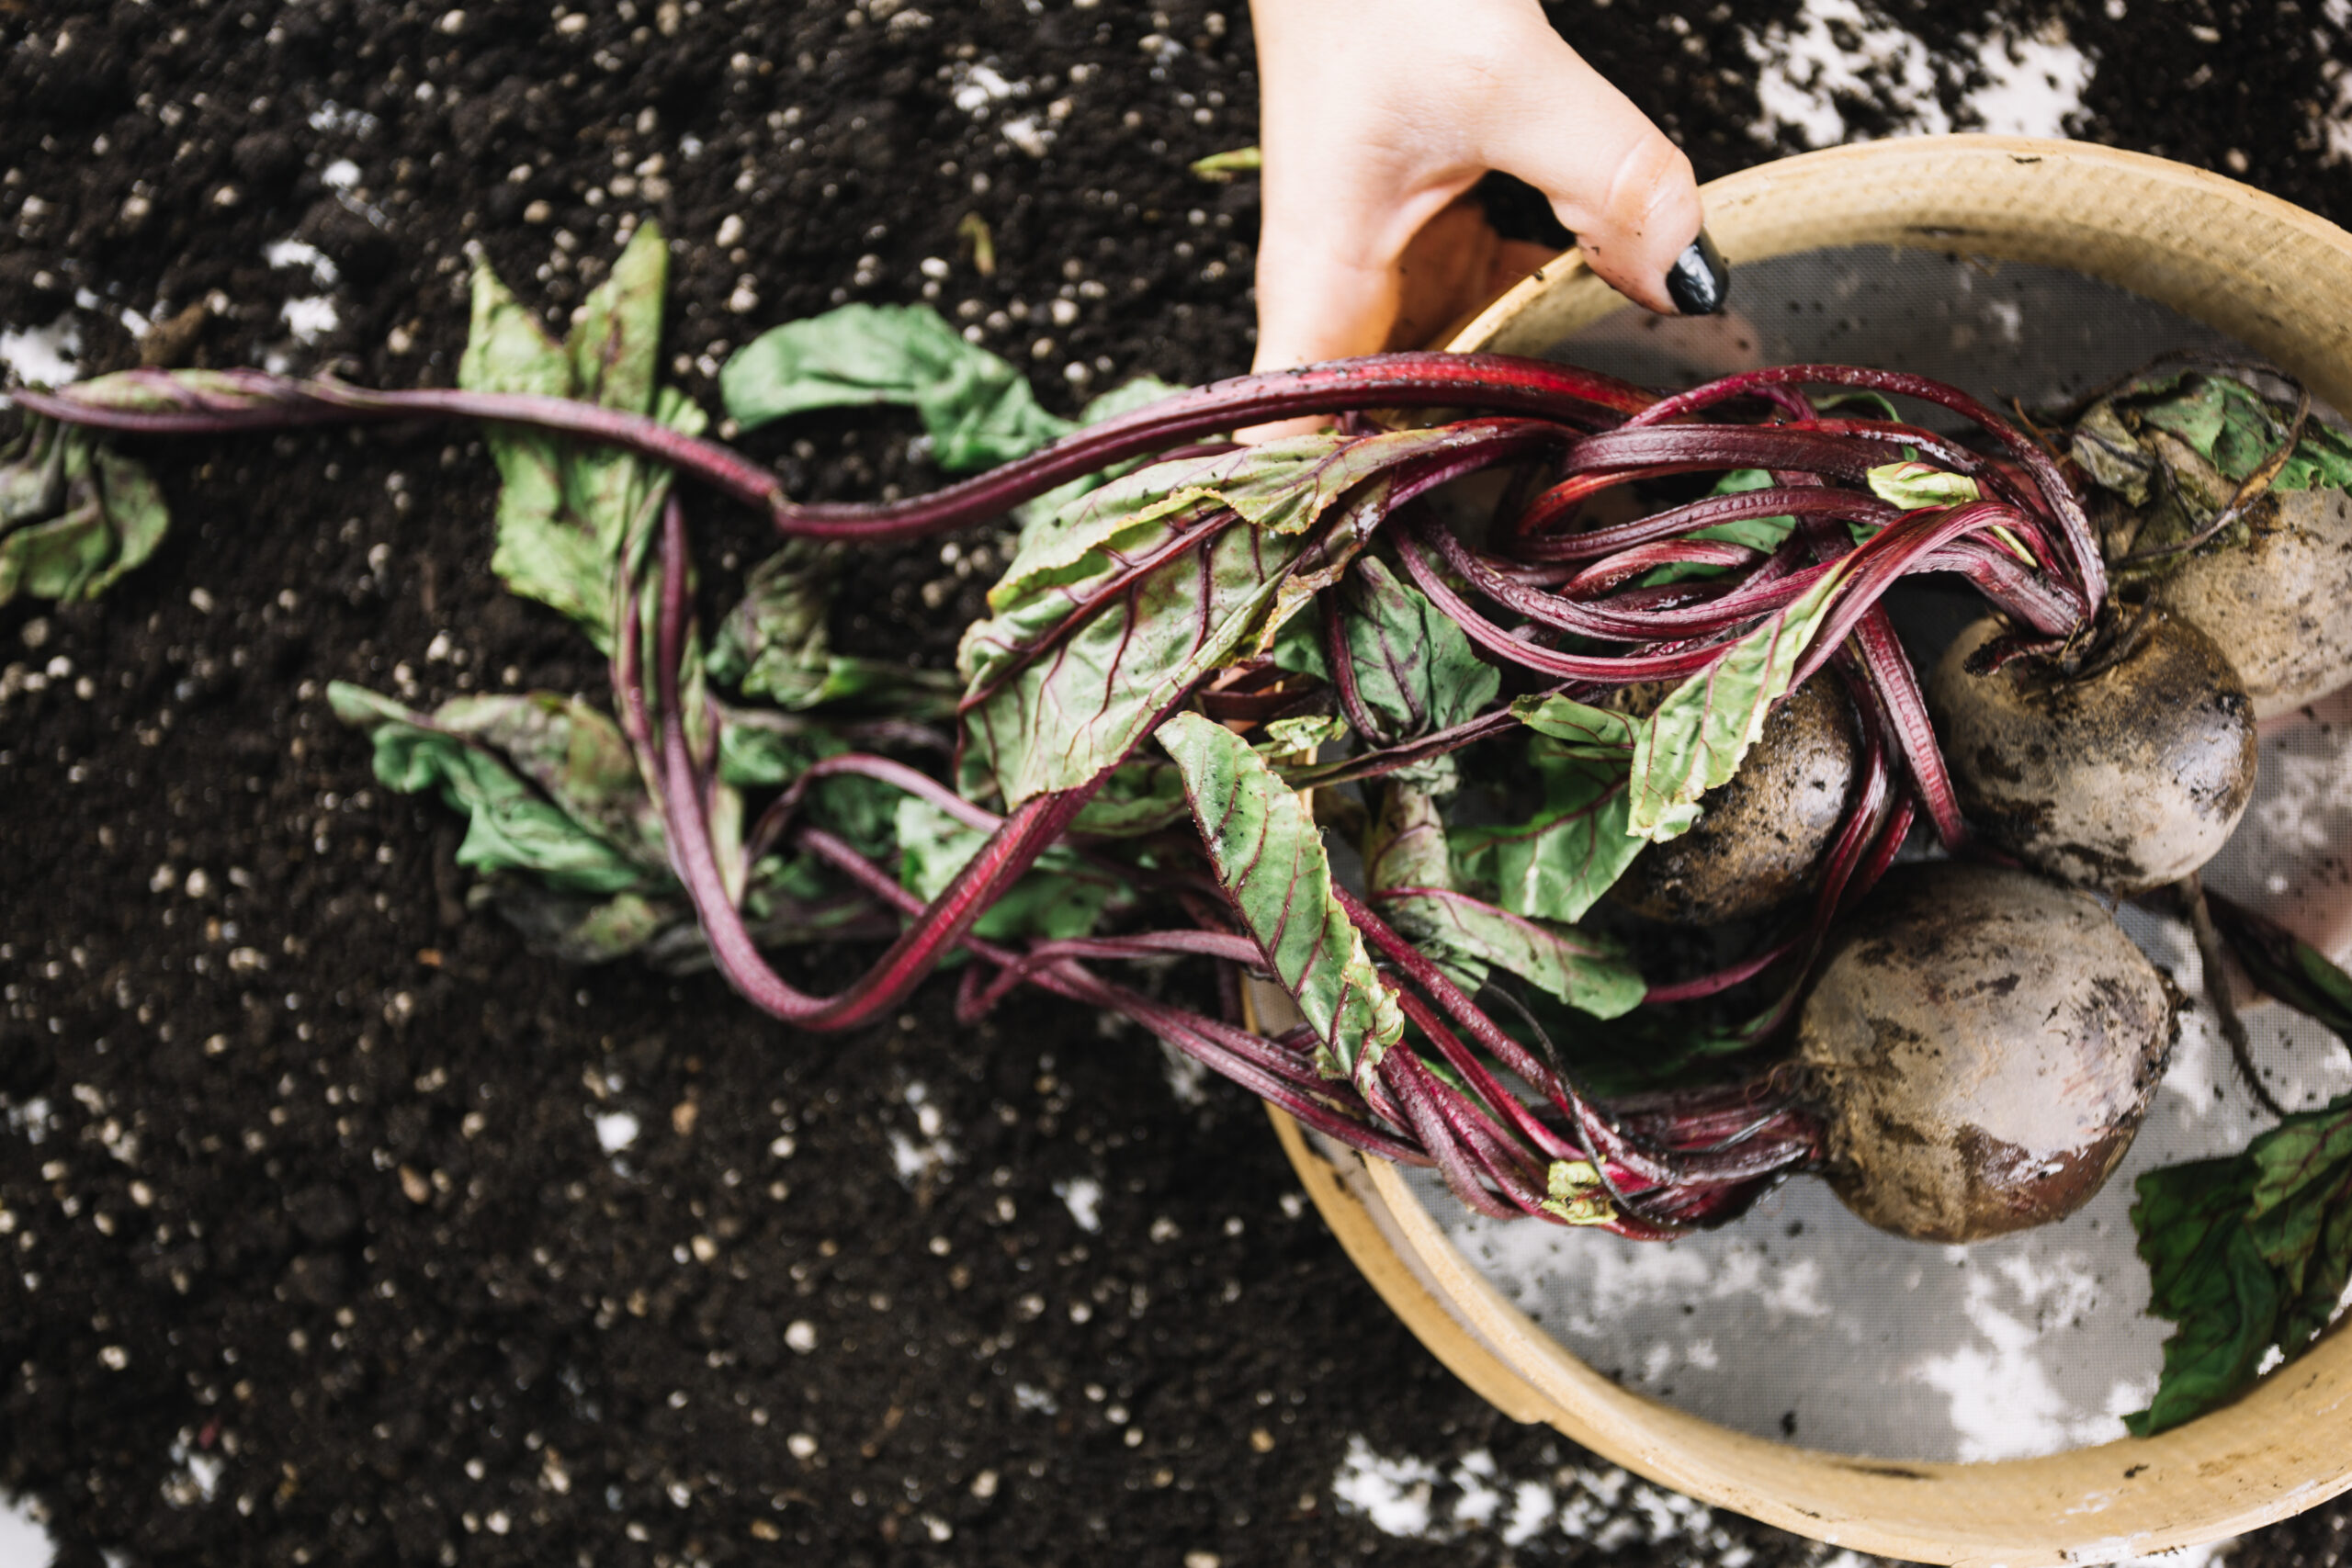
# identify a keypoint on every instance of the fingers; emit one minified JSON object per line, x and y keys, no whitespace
{"x":1446,"y":272}
{"x":1614,"y":178}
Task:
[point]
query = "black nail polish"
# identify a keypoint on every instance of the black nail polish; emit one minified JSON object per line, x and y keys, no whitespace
{"x":1700,"y":282}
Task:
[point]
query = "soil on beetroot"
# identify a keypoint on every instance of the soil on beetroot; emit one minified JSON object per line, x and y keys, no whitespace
{"x":316,"y":1249}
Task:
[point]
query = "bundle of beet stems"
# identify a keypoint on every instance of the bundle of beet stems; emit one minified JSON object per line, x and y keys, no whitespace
{"x":1395,"y":1057}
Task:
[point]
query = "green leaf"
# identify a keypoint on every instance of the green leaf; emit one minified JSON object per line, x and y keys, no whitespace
{"x":1650,"y":1048}
{"x":1061,"y":895}
{"x":1059,"y":720}
{"x":1269,"y":858}
{"x":74,"y":513}
{"x":2298,"y":1211}
{"x":1407,"y":869}
{"x":1765,"y":534}
{"x":1145,"y":636}
{"x":1600,"y":734}
{"x":978,"y":409}
{"x":566,"y":510}
{"x":1415,"y":668}
{"x":1405,"y":847}
{"x":547,"y":785}
{"x":580,"y":930}
{"x":2224,"y":422}
{"x":759,"y":755}
{"x":1141,"y":796}
{"x":1302,"y":733}
{"x":614,"y":347}
{"x":1696,"y":738}
{"x":2245,"y":1253}
{"x":1220,"y":167}
{"x":2207,"y":1275}
{"x":1575,"y":1195}
{"x":32,"y":472}
{"x":2282,"y":965}
{"x":1282,"y":487}
{"x":776,"y":644}
{"x":1588,"y":973}
{"x":1557,"y":865}
{"x":2108,"y":451}
{"x":568,"y":843}
{"x":1040,"y":511}
{"x":1915,"y":485}
{"x":1297,"y":645}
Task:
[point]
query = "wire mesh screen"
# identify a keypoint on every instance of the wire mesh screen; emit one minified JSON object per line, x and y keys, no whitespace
{"x":1798,"y":1322}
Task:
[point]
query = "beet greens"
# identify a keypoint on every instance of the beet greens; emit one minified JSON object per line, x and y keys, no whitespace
{"x":1200,"y":638}
{"x":1196,"y":645}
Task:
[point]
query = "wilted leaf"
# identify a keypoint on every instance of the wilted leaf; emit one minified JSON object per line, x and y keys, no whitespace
{"x":2108,"y":451}
{"x":1269,"y":857}
{"x":1300,"y":734}
{"x":547,"y":785}
{"x":775,"y":643}
{"x":566,"y":508}
{"x":74,"y":513}
{"x":978,"y":409}
{"x":580,"y":929}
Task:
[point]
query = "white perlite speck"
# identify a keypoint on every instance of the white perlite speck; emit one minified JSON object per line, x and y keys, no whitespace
{"x":23,"y":1542}
{"x":914,"y":1160}
{"x":1082,"y":1195}
{"x":1415,"y":1498}
{"x":297,"y":252}
{"x":2032,"y":83}
{"x":310,"y":319}
{"x":42,"y":357}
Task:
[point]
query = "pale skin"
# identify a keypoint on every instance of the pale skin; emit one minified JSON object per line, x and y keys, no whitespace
{"x":1377,"y":115}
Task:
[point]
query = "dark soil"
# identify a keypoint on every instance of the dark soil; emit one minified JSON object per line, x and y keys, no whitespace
{"x":301,"y":1175}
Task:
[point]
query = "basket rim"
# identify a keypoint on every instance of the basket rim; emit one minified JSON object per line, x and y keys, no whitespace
{"x":2280,"y":279}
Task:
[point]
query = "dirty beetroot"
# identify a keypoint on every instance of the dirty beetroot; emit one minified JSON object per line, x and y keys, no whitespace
{"x":325,"y":1200}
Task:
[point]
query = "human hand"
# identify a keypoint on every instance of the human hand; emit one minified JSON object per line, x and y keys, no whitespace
{"x":1376,"y":116}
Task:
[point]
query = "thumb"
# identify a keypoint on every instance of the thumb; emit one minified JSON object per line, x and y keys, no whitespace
{"x":1613,"y":178}
{"x":1329,"y":284}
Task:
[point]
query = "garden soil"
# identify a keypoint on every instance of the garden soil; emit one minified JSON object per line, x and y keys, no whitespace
{"x":341,"y":1227}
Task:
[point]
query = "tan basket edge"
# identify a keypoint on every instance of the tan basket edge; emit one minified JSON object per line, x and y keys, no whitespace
{"x":2277,"y":277}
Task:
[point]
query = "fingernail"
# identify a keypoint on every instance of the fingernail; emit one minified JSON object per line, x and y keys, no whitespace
{"x":1700,"y":282}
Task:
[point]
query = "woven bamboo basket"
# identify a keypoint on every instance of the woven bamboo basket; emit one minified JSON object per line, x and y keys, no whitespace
{"x":2279,"y":280}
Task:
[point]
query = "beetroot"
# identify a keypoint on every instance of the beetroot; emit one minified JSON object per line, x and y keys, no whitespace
{"x":2123,"y":774}
{"x":1984,"y":1044}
